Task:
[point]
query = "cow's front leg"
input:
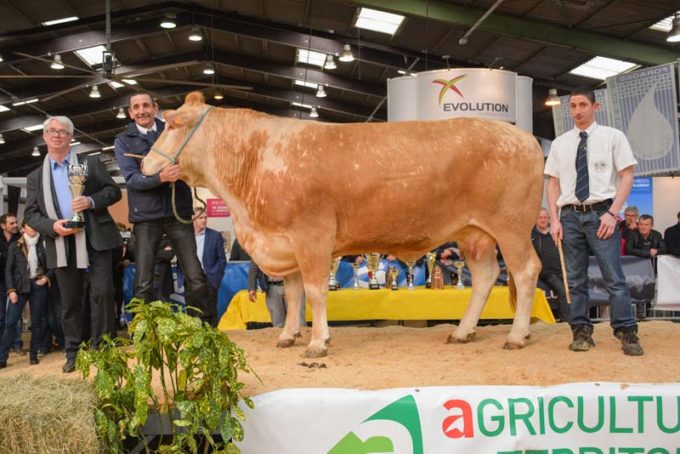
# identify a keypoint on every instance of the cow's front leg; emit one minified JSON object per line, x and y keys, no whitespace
{"x":294,"y":315}
{"x":316,"y":295}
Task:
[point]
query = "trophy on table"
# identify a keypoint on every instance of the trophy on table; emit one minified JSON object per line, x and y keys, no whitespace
{"x":410,"y":276}
{"x":77,"y":176}
{"x":372,"y":263}
{"x":332,"y":282}
{"x":430,"y":259}
{"x":355,"y":268}
{"x":394,"y":275}
{"x":459,"y":264}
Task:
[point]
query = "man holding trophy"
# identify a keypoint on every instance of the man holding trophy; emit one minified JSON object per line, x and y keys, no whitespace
{"x":67,"y":202}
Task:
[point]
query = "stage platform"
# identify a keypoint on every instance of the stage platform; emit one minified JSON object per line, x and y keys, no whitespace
{"x":403,"y":304}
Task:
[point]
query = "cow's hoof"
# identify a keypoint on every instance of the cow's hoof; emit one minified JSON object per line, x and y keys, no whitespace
{"x":316,"y":352}
{"x":460,"y":340}
{"x":285,"y":343}
{"x":512,"y":345}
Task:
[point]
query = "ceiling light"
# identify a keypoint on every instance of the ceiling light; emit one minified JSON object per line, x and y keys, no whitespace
{"x":320,"y":92}
{"x":94,"y":93}
{"x":116,"y":85}
{"x":313,"y":113}
{"x":60,"y":21}
{"x":1,"y":60}
{"x":74,"y":143}
{"x":35,"y":152}
{"x":553,"y":99}
{"x":330,"y":62}
{"x":130,"y":81}
{"x":299,"y":104}
{"x":3,"y":108}
{"x":311,"y":57}
{"x":218,"y":96}
{"x":304,"y":83}
{"x":209,"y":69}
{"x":28,"y":101}
{"x":195,"y":34}
{"x":2,"y":139}
{"x":664,"y":25}
{"x":57,"y":63}
{"x":379,"y":21}
{"x":169,"y":21}
{"x":346,"y":55}
{"x":33,"y":128}
{"x":110,"y":147}
{"x":674,"y":34}
{"x":602,"y":67}
{"x":121,"y":113}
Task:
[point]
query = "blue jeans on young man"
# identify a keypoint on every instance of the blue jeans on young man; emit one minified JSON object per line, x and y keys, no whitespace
{"x":38,"y":303}
{"x":580,"y":239}
{"x":147,"y":239}
{"x":4,"y":301}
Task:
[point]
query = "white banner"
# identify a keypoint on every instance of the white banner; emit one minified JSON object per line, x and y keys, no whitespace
{"x":467,"y":92}
{"x":579,"y":418}
{"x":668,"y":283}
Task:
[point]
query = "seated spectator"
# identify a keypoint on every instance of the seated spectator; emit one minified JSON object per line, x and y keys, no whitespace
{"x":672,"y":238}
{"x":628,"y":226}
{"x":646,"y":242}
{"x":551,"y":273}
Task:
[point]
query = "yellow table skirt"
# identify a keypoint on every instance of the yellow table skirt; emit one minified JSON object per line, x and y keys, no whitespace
{"x":363,"y":304}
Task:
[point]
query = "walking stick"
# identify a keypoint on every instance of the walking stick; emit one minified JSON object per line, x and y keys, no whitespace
{"x":564,"y":271}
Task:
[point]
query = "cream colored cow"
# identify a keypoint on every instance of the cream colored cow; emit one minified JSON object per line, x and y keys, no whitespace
{"x":302,"y":192}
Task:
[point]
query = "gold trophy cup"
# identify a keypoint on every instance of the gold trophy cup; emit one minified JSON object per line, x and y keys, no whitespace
{"x":332,"y":282}
{"x":430,"y":259}
{"x":459,"y":264}
{"x":394,"y":275}
{"x":372,"y":263}
{"x":77,"y":176}
{"x":410,"y":276}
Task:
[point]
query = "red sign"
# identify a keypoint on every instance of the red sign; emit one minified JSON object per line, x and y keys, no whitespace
{"x":215,"y":208}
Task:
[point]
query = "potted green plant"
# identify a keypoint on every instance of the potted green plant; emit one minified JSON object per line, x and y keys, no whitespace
{"x":197,"y":368}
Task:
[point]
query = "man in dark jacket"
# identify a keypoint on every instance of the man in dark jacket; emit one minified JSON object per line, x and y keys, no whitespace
{"x":73,"y":251}
{"x":646,"y":242}
{"x":150,"y":207}
{"x":672,"y":238}
{"x":8,"y":235}
{"x":210,"y":250}
{"x":551,"y":273}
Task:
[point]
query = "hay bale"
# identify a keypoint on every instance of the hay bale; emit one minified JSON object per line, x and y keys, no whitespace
{"x":46,"y":415}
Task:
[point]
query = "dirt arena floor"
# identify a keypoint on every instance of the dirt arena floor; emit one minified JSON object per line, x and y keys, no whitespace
{"x":398,"y":356}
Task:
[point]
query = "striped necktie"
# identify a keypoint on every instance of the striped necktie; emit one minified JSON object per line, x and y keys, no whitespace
{"x":582,"y":186}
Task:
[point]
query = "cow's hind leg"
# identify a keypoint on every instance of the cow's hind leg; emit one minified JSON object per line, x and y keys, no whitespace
{"x":291,"y":329}
{"x":480,"y":256}
{"x":523,"y":267}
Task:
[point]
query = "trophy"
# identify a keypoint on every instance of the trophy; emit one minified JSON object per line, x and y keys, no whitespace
{"x":459,"y":264}
{"x":77,"y":176}
{"x":430,"y":258}
{"x":372,"y":262}
{"x":332,"y":282}
{"x":355,"y":268}
{"x":393,"y":272}
{"x":410,"y":276}
{"x":437,"y":278}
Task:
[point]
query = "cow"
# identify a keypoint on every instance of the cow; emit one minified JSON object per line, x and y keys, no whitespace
{"x":302,"y":192}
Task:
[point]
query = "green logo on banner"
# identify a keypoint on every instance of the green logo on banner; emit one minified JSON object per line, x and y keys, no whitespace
{"x":404,"y":412}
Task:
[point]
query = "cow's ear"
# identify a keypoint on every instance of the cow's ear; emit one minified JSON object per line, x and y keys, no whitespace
{"x":174,"y":118}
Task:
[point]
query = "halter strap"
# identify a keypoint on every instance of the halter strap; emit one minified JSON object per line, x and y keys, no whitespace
{"x":173,"y":159}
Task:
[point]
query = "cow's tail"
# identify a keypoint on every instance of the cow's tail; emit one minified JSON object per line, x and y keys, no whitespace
{"x":513,"y":292}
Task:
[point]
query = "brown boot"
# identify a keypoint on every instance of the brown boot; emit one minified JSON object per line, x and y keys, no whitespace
{"x":583,"y":338}
{"x":630,"y":343}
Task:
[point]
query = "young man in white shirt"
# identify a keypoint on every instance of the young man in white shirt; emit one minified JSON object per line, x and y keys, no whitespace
{"x":591,"y":174}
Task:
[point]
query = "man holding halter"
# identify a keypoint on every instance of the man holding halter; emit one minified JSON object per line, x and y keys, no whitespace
{"x":591,"y":174}
{"x":150,"y":204}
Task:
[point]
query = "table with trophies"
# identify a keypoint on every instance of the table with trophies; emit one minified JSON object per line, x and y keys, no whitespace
{"x":379,"y":289}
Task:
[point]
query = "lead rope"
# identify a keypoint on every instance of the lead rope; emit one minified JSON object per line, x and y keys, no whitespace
{"x":174,"y":206}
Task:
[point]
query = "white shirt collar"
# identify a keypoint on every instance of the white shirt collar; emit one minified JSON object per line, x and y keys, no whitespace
{"x":144,"y":130}
{"x":590,"y":129}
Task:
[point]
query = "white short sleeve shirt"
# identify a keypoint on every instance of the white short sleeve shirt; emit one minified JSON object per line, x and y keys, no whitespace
{"x":608,"y":153}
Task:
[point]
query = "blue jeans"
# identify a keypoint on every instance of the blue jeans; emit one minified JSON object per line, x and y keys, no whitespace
{"x":4,"y":301}
{"x":38,"y":302}
{"x":148,"y":238}
{"x":580,"y":239}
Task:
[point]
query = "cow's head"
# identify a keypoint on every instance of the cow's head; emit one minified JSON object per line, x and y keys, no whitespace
{"x":181,"y":142}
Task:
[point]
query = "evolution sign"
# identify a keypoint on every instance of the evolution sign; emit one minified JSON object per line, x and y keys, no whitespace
{"x":469,"y":92}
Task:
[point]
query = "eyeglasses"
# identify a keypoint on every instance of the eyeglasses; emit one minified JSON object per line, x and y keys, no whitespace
{"x":57,"y":132}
